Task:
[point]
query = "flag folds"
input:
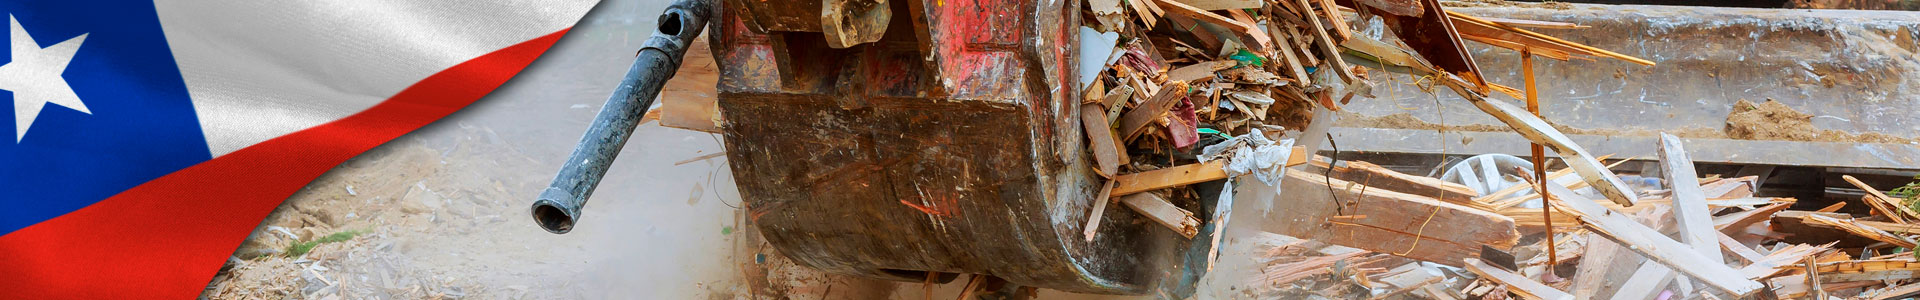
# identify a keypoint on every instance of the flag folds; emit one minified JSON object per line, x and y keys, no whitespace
{"x":151,"y":137}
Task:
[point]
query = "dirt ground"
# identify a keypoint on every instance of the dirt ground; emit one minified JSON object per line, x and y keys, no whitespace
{"x":443,"y":213}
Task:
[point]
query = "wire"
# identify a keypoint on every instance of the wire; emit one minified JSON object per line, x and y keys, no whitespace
{"x":1338,"y":208}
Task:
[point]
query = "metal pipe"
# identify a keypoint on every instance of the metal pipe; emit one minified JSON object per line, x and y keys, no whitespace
{"x":558,"y":207}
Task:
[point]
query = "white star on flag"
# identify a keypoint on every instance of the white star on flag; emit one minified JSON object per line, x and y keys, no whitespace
{"x":34,"y":77}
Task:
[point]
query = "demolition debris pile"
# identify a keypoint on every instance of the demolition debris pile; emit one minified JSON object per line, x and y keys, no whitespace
{"x":1179,"y":92}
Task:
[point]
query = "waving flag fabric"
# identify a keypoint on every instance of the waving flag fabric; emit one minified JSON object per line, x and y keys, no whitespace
{"x":149,"y":138}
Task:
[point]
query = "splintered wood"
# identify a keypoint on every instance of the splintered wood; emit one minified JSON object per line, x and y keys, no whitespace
{"x":1353,"y":215}
{"x":1187,"y":74}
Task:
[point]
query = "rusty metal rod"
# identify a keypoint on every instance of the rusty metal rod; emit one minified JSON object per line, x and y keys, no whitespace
{"x":1539,"y":162}
{"x":558,"y":207}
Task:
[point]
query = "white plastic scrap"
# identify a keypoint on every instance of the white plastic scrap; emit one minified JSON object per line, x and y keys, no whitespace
{"x":1252,"y":153}
{"x":1094,"y":46}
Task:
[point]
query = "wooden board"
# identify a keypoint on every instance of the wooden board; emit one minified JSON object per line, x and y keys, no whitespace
{"x":1100,"y":140}
{"x":1197,"y":71}
{"x":1160,"y":211}
{"x":1646,"y":282}
{"x":1897,"y":209}
{"x":1221,"y":4}
{"x":1867,"y":270}
{"x":1384,"y":221}
{"x":1380,"y":177}
{"x":1772,"y":263}
{"x":1736,"y":222}
{"x":1541,"y":51}
{"x":1182,"y":175}
{"x":1689,"y":203}
{"x":1284,"y":41}
{"x":1652,"y":244}
{"x":689,"y":101}
{"x":1169,"y":177}
{"x":1745,"y":253}
{"x":1533,"y":23}
{"x":1330,"y":50}
{"x":1134,"y":121}
{"x":1466,"y":19}
{"x":1099,"y":210}
{"x":1519,"y":285}
{"x":1244,"y":30}
{"x":1856,"y":228}
{"x":1538,"y":131}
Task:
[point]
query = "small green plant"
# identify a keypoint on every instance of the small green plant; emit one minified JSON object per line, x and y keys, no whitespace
{"x":301,"y":248}
{"x":1909,"y":193}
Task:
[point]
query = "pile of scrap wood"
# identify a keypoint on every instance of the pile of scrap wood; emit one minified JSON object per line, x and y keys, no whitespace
{"x":1163,"y":79}
{"x":1697,"y":238}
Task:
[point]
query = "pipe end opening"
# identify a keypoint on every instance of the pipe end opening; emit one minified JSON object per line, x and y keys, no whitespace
{"x":552,"y":217}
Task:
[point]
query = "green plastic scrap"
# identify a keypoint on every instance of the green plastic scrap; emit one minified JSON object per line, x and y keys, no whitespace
{"x":1205,"y":131}
{"x":1248,"y":58}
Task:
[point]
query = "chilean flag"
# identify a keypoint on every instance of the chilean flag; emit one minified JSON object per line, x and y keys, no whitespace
{"x":149,"y":138}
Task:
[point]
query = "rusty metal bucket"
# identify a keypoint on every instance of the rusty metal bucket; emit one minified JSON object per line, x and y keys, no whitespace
{"x":949,"y":146}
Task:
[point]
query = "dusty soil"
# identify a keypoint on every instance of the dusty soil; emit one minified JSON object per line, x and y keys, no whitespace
{"x":1771,"y":120}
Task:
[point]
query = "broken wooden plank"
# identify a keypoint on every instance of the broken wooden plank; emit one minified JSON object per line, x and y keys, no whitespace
{"x":1245,"y":30}
{"x":1330,"y":49}
{"x":1380,"y":177}
{"x":1387,"y":55}
{"x":1898,"y":210}
{"x":1284,"y":43}
{"x":1729,"y":187}
{"x":1652,"y":244}
{"x":1689,"y":203}
{"x":1353,"y":215}
{"x":1144,"y":12}
{"x":1745,"y":253}
{"x":1833,"y":208}
{"x":1519,"y":285}
{"x":1099,"y":210}
{"x":1160,"y":211}
{"x":1533,"y":23}
{"x":1646,"y":282}
{"x":1895,"y":292}
{"x":1650,"y":277}
{"x":1509,"y":45}
{"x":1169,"y":177}
{"x":1538,"y":131}
{"x":1100,"y":140}
{"x":1222,"y":4}
{"x":1862,"y":230}
{"x":1601,"y":259}
{"x":1867,"y":270}
{"x":1730,"y":223}
{"x":1771,"y":265}
{"x":1134,"y":121}
{"x":1198,"y":71}
{"x":1736,"y":222}
{"x":1182,"y":175}
{"x":1535,"y":35}
{"x":1332,"y":12}
{"x":1555,"y":175}
{"x":1691,"y":216}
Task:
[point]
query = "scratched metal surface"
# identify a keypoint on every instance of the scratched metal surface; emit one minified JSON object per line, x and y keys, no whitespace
{"x":1855,"y":71}
{"x":878,"y":160}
